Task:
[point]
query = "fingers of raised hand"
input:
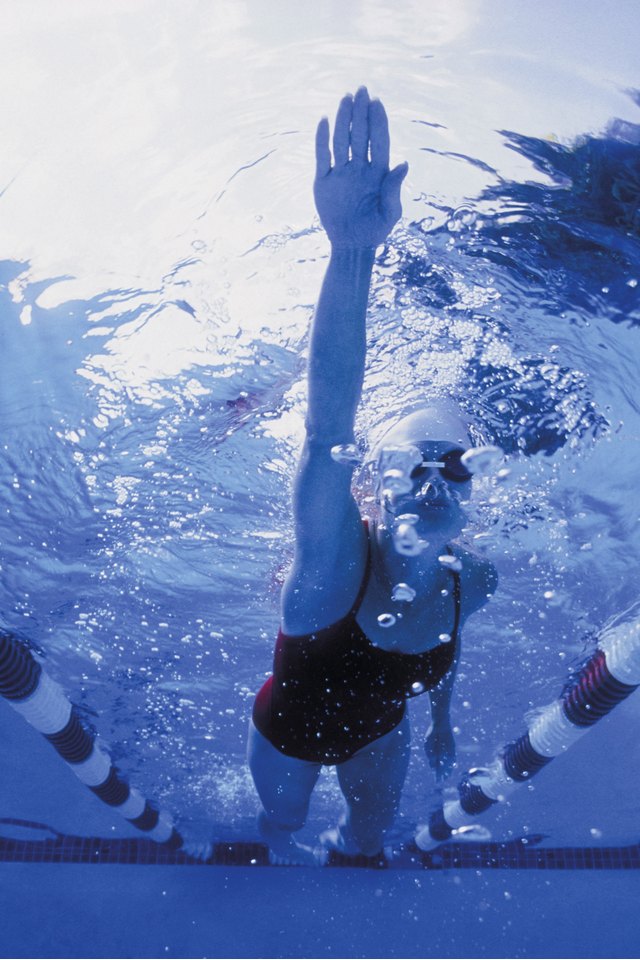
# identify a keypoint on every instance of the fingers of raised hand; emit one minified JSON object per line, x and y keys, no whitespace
{"x":379,"y":135}
{"x":342,"y":131}
{"x":323,"y":153}
{"x":361,"y":131}
{"x":390,"y":191}
{"x":360,"y":126}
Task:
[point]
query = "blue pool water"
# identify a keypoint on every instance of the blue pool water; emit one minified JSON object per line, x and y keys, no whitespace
{"x":159,"y":262}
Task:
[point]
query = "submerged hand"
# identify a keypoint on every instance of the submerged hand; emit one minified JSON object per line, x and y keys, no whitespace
{"x":358,"y":198}
{"x":440,"y":748}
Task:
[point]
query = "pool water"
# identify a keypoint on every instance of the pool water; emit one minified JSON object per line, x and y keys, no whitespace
{"x":159,"y":262}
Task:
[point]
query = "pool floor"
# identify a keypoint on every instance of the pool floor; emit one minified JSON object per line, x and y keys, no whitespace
{"x":70,"y":911}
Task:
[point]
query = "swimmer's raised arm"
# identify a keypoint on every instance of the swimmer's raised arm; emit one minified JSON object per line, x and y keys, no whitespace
{"x":358,"y":201}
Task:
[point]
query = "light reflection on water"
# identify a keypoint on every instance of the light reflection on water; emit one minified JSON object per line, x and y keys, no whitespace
{"x":154,"y":340}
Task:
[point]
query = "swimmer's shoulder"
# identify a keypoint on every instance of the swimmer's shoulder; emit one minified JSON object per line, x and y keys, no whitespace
{"x":478,"y":578}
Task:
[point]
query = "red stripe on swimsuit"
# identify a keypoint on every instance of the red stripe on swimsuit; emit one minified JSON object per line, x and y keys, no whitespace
{"x":333,"y":691}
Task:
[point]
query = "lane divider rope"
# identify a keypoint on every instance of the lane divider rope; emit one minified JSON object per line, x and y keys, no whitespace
{"x":610,"y":675}
{"x":41,"y":702}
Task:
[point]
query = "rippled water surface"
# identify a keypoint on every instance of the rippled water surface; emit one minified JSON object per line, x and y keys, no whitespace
{"x":160,"y":258}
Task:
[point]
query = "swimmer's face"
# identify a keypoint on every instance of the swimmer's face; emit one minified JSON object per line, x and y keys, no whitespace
{"x":438,"y":479}
{"x":441,"y":473}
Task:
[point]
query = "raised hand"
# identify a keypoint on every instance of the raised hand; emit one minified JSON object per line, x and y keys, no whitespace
{"x":358,"y":197}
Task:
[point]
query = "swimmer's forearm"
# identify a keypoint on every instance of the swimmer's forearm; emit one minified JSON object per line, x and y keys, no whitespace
{"x":441,"y":695}
{"x":338,"y":345}
{"x":441,"y":704}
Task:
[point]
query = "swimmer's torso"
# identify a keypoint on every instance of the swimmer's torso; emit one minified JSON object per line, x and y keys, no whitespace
{"x":420,"y":624}
{"x":334,"y":691}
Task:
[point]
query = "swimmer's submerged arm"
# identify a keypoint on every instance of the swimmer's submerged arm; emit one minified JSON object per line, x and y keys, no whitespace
{"x":440,"y":744}
{"x":440,"y":696}
{"x":480,"y":582}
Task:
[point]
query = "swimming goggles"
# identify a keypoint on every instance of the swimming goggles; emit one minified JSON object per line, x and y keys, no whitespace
{"x":449,"y":464}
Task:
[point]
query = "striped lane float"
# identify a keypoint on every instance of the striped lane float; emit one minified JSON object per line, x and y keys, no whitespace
{"x":36,"y":697}
{"x":607,"y":678}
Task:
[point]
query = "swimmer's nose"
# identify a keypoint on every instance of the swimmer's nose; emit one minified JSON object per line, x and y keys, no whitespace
{"x":429,"y":491}
{"x":435,"y":490}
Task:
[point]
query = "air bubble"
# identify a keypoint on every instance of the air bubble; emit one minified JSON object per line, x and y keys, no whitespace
{"x":386,"y":620}
{"x":595,"y":833}
{"x":403,"y":593}
{"x":450,"y":562}
{"x":483,"y":539}
{"x":406,"y":540}
{"x":444,"y":638}
{"x":478,"y":773}
{"x":396,"y":481}
{"x":461,"y":219}
{"x":395,"y":465}
{"x":346,"y":453}
{"x":411,"y":518}
{"x":417,"y":687}
{"x":482,"y":460}
{"x":473,"y":832}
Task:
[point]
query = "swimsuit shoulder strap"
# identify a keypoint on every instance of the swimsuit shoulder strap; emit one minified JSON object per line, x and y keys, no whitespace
{"x":457,"y":599}
{"x":367,"y":572}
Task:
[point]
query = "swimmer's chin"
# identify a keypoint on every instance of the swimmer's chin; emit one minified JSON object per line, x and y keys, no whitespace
{"x":440,"y":520}
{"x":446,"y":512}
{"x":445,"y":516}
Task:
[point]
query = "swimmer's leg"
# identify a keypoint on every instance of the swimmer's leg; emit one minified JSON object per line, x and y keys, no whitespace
{"x":372,"y":782}
{"x":284,"y":785}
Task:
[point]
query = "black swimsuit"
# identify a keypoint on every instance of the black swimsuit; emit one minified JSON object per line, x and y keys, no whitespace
{"x":333,"y":691}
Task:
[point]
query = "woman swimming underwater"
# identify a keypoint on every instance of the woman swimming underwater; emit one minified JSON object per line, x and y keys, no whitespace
{"x":341,"y":674}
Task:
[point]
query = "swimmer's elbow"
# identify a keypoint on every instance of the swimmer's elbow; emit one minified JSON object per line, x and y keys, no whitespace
{"x":491,"y":580}
{"x":485,"y":586}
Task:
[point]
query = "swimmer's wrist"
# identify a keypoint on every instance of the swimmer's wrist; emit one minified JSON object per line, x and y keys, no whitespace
{"x":353,"y":245}
{"x":351,"y":263}
{"x":440,"y":716}
{"x":352,"y":251}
